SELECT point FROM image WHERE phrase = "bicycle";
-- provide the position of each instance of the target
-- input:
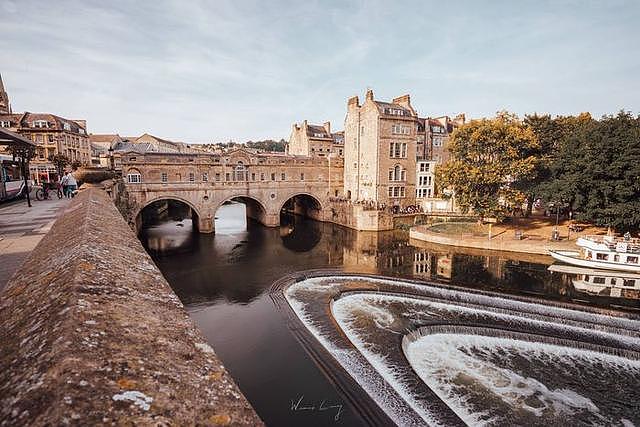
(43, 193)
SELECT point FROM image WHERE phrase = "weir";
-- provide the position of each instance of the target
(92, 334)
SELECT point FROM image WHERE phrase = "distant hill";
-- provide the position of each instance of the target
(266, 145)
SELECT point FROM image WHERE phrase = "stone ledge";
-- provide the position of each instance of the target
(92, 334)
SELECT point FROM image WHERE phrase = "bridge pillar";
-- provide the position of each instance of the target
(206, 225)
(271, 219)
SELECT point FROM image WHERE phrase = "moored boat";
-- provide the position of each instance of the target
(603, 252)
(602, 282)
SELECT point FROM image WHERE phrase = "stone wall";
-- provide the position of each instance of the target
(92, 334)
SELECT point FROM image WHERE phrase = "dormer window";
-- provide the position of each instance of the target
(81, 131)
(66, 126)
(5, 124)
(40, 124)
(318, 135)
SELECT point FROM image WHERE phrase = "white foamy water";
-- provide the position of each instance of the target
(482, 379)
(460, 368)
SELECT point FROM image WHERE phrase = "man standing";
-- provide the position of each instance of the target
(72, 185)
(64, 182)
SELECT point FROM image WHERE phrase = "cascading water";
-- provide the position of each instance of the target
(441, 356)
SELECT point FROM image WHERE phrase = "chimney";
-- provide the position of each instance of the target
(404, 100)
(369, 95)
(327, 127)
(353, 102)
(459, 119)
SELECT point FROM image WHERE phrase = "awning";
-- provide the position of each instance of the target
(14, 140)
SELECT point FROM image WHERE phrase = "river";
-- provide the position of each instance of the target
(224, 280)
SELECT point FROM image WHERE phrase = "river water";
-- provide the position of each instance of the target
(224, 282)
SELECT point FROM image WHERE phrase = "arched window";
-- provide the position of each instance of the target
(133, 176)
(397, 173)
(240, 172)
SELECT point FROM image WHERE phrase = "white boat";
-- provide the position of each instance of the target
(603, 252)
(599, 282)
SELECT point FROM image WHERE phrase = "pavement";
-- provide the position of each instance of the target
(22, 228)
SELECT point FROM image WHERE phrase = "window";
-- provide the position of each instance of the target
(217, 176)
(5, 124)
(240, 172)
(205, 177)
(629, 282)
(632, 259)
(437, 142)
(602, 257)
(424, 167)
(273, 176)
(396, 191)
(134, 178)
(81, 131)
(301, 177)
(192, 177)
(66, 126)
(253, 176)
(262, 177)
(41, 124)
(599, 280)
(400, 130)
(164, 177)
(227, 176)
(398, 150)
(282, 176)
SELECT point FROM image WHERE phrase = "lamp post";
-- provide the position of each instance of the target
(111, 163)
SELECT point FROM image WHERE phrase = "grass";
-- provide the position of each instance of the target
(458, 228)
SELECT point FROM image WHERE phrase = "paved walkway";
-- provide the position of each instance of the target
(21, 228)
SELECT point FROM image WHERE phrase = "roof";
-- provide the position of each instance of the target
(384, 106)
(13, 139)
(316, 131)
(55, 122)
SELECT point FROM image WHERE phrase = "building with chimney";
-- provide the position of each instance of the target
(315, 140)
(391, 154)
(380, 151)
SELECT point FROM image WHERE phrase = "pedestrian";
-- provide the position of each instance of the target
(72, 185)
(65, 184)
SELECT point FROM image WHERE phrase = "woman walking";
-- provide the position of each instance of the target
(64, 182)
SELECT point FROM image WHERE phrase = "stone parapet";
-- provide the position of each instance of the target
(92, 334)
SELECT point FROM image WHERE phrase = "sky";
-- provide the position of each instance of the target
(218, 70)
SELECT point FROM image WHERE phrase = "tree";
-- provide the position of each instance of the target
(60, 161)
(596, 170)
(76, 164)
(487, 157)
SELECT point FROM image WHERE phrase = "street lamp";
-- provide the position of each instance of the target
(111, 163)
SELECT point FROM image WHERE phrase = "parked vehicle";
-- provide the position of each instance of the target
(11, 179)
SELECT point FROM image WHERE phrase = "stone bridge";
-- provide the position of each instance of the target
(266, 183)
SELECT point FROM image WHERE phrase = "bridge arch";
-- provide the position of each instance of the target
(194, 212)
(302, 203)
(255, 208)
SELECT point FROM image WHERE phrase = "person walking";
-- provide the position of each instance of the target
(64, 182)
(72, 185)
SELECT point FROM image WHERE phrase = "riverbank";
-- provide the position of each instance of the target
(536, 237)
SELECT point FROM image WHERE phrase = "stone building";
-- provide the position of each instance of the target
(100, 145)
(315, 140)
(380, 151)
(52, 135)
(5, 105)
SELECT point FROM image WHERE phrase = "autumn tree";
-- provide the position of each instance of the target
(487, 157)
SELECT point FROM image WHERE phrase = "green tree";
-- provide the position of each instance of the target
(596, 170)
(487, 157)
